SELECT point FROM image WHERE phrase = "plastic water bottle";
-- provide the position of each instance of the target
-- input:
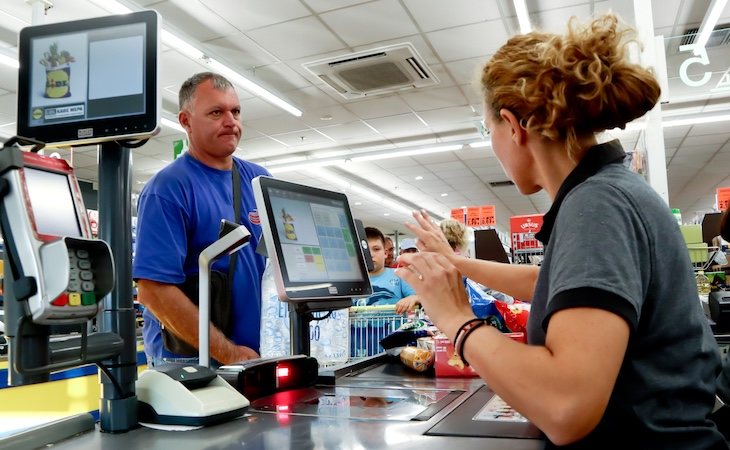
(329, 339)
(703, 283)
(274, 318)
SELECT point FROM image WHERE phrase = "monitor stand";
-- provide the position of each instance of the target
(300, 314)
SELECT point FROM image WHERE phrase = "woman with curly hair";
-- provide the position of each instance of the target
(620, 353)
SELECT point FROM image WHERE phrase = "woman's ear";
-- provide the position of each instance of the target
(517, 132)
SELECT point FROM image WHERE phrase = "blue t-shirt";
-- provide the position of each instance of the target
(388, 288)
(179, 214)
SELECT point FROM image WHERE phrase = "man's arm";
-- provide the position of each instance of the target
(175, 311)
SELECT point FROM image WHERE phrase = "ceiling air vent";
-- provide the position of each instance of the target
(374, 72)
(501, 183)
(719, 37)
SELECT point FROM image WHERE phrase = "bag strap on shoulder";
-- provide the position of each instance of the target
(236, 182)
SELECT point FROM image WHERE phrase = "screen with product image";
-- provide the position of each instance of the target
(52, 203)
(89, 80)
(311, 238)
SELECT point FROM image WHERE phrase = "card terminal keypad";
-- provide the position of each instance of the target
(80, 290)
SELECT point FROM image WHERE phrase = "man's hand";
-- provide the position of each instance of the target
(240, 353)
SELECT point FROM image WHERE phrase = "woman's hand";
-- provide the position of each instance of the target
(439, 287)
(430, 236)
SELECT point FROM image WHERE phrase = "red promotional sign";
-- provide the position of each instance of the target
(723, 198)
(472, 216)
(479, 216)
(523, 229)
(458, 214)
(487, 217)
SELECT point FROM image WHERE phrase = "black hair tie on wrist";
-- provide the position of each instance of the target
(470, 327)
(462, 327)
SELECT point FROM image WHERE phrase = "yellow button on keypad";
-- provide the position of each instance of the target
(74, 299)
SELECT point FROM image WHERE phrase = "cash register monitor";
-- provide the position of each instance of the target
(88, 81)
(312, 241)
(53, 198)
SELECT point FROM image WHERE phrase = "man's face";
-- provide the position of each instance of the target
(389, 253)
(377, 251)
(212, 120)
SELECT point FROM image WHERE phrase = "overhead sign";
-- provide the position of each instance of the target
(480, 216)
(723, 198)
(458, 215)
(699, 56)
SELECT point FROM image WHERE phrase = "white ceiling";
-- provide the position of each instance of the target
(270, 40)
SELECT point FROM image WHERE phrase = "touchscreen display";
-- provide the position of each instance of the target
(89, 80)
(51, 199)
(311, 237)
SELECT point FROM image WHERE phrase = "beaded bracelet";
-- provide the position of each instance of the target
(459, 347)
(462, 327)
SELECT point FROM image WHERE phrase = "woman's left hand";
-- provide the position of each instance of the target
(439, 287)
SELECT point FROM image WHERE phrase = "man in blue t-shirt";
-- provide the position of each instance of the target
(179, 214)
(387, 287)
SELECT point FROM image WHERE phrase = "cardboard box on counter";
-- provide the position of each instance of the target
(448, 364)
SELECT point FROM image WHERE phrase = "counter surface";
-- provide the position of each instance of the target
(265, 430)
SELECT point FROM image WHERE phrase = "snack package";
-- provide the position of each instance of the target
(515, 315)
(418, 359)
(483, 305)
(448, 364)
(407, 334)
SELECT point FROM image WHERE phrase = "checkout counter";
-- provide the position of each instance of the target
(376, 403)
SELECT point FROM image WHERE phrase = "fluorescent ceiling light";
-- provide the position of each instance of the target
(376, 197)
(668, 123)
(180, 45)
(302, 165)
(695, 120)
(172, 124)
(708, 25)
(287, 165)
(8, 60)
(252, 87)
(395, 153)
(523, 17)
(480, 144)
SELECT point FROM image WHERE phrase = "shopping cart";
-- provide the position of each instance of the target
(370, 324)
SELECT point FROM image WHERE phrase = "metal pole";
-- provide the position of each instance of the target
(118, 409)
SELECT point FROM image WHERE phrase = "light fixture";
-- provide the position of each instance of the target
(480, 144)
(191, 51)
(708, 25)
(252, 87)
(396, 153)
(419, 177)
(444, 194)
(695, 120)
(8, 60)
(180, 45)
(523, 17)
(302, 165)
(286, 165)
(172, 124)
(355, 188)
